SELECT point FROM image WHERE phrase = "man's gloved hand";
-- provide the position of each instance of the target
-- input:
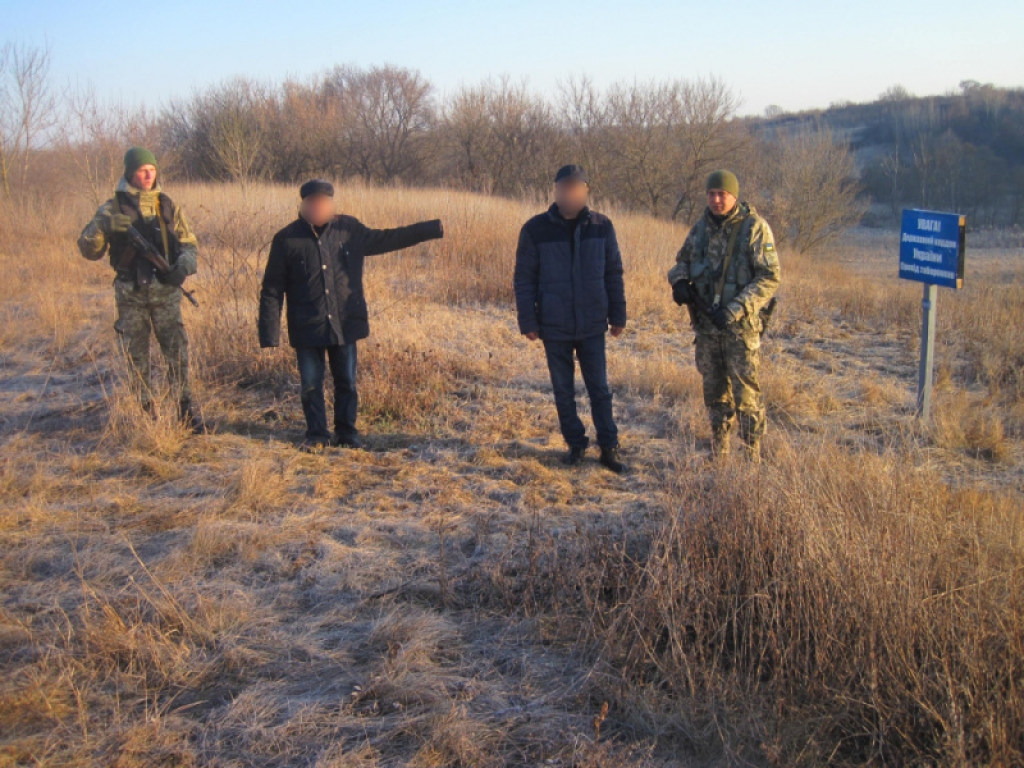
(681, 292)
(175, 277)
(117, 224)
(721, 318)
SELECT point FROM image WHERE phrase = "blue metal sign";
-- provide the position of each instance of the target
(932, 247)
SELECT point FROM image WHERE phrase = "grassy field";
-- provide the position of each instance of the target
(453, 596)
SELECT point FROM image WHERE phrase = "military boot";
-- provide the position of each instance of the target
(190, 418)
(720, 440)
(610, 459)
(750, 432)
(753, 448)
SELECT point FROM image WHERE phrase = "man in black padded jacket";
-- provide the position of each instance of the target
(316, 267)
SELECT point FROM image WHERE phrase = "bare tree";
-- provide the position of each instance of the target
(643, 155)
(583, 117)
(238, 129)
(650, 145)
(302, 131)
(222, 132)
(466, 138)
(386, 114)
(500, 138)
(94, 136)
(812, 194)
(708, 138)
(28, 109)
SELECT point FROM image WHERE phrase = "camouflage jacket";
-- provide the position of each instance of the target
(94, 242)
(753, 275)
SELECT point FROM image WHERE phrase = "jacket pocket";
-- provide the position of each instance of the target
(748, 334)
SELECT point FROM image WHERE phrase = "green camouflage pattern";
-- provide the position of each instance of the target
(729, 359)
(92, 243)
(753, 276)
(155, 307)
(729, 365)
(158, 307)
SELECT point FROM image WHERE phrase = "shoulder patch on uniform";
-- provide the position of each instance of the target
(769, 246)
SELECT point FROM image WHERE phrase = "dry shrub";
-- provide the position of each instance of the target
(833, 608)
(131, 428)
(963, 424)
(669, 372)
(258, 488)
(987, 320)
(456, 739)
(403, 384)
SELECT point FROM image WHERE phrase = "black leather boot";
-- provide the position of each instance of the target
(610, 459)
(575, 455)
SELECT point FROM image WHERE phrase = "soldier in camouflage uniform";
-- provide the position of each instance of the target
(145, 298)
(727, 272)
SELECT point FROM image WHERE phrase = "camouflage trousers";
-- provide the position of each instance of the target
(157, 308)
(729, 364)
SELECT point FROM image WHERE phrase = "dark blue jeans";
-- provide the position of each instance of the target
(342, 361)
(591, 355)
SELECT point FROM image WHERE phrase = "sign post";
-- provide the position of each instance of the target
(932, 252)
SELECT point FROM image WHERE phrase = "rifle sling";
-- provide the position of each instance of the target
(726, 263)
(163, 230)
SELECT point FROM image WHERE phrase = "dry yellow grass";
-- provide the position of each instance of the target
(453, 596)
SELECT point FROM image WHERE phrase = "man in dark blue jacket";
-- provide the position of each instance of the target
(569, 292)
(317, 263)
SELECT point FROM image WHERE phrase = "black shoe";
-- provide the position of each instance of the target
(349, 441)
(575, 455)
(317, 444)
(610, 459)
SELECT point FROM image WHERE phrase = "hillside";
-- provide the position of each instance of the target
(962, 151)
(453, 596)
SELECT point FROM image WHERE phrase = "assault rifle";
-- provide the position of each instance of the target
(149, 252)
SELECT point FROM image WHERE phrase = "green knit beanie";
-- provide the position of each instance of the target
(726, 180)
(135, 158)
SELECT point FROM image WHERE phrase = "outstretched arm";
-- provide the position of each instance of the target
(377, 241)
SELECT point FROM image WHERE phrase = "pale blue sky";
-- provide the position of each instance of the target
(792, 53)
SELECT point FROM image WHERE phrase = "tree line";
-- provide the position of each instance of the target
(960, 151)
(647, 145)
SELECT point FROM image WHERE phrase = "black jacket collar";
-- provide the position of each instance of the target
(555, 215)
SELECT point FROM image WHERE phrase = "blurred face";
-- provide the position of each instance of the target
(317, 209)
(144, 178)
(571, 197)
(720, 202)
